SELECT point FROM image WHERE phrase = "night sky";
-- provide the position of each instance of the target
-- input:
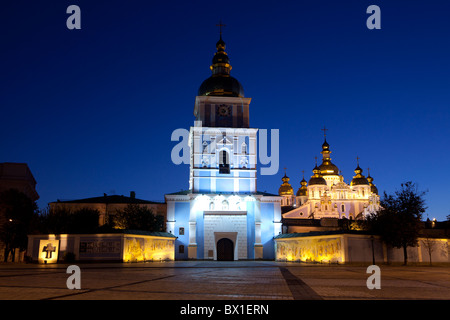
(92, 111)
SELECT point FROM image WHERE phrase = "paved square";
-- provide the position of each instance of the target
(215, 280)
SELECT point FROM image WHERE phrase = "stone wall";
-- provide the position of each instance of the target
(125, 246)
(341, 247)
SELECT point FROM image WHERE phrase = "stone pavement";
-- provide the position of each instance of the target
(217, 280)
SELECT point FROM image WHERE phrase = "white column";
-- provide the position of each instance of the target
(252, 151)
(257, 208)
(276, 219)
(170, 224)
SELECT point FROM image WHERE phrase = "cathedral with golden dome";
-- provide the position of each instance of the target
(326, 195)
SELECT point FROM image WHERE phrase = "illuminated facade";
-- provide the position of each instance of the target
(222, 216)
(326, 195)
(120, 246)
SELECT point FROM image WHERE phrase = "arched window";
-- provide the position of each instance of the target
(342, 208)
(224, 205)
(224, 162)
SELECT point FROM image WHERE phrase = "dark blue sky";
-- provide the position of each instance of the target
(92, 111)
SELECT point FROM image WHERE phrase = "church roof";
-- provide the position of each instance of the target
(147, 233)
(317, 233)
(182, 192)
(260, 193)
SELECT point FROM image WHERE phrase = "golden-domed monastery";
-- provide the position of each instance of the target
(326, 195)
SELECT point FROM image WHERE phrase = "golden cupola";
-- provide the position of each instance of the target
(285, 188)
(359, 178)
(317, 178)
(303, 190)
(327, 167)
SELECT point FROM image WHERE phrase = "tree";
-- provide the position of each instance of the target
(55, 220)
(17, 211)
(398, 222)
(84, 220)
(62, 220)
(138, 218)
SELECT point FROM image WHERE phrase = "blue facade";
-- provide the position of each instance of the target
(205, 185)
(251, 229)
(181, 221)
(267, 230)
(266, 211)
(224, 184)
(200, 236)
(244, 185)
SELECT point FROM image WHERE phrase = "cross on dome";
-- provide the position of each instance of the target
(220, 25)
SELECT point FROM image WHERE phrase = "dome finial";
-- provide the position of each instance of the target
(220, 25)
(221, 83)
(220, 45)
(324, 132)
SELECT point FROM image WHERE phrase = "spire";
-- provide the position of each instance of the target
(220, 25)
(327, 167)
(221, 62)
(324, 132)
(358, 170)
(221, 83)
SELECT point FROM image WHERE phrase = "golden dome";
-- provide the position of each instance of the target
(359, 179)
(303, 190)
(317, 178)
(327, 167)
(286, 188)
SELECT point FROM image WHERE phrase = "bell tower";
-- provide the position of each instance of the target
(222, 215)
(223, 146)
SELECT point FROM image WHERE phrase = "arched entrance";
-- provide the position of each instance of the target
(225, 250)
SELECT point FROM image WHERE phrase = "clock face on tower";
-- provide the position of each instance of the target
(224, 110)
